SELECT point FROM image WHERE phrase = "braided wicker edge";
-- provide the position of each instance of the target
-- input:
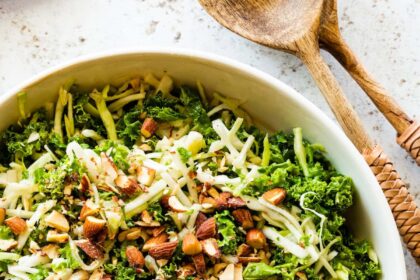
(405, 211)
(410, 140)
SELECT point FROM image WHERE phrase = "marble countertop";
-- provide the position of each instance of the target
(38, 34)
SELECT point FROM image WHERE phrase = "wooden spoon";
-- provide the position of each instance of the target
(330, 38)
(293, 26)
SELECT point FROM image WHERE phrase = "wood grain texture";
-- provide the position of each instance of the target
(403, 206)
(331, 39)
(293, 26)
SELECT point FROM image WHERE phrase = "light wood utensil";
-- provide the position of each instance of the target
(330, 39)
(293, 26)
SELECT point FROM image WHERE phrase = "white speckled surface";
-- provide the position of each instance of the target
(37, 34)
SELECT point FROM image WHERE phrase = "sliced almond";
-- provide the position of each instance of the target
(80, 275)
(207, 229)
(145, 175)
(228, 273)
(53, 236)
(148, 128)
(109, 168)
(134, 234)
(16, 224)
(85, 186)
(185, 271)
(249, 259)
(57, 221)
(127, 185)
(238, 271)
(199, 263)
(2, 215)
(134, 257)
(51, 250)
(235, 202)
(153, 224)
(243, 216)
(255, 238)
(146, 217)
(213, 193)
(218, 267)
(158, 230)
(154, 241)
(88, 209)
(92, 226)
(275, 196)
(244, 250)
(175, 205)
(92, 250)
(7, 244)
(201, 218)
(190, 245)
(163, 250)
(211, 248)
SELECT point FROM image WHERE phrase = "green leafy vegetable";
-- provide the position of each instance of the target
(184, 154)
(230, 237)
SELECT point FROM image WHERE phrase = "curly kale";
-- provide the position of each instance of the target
(128, 127)
(230, 235)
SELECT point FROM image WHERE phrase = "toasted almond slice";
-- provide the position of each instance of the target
(146, 217)
(149, 127)
(153, 224)
(16, 224)
(176, 205)
(109, 168)
(7, 244)
(127, 185)
(275, 196)
(228, 273)
(211, 248)
(92, 226)
(154, 241)
(244, 250)
(134, 234)
(92, 250)
(207, 229)
(85, 184)
(163, 250)
(243, 216)
(145, 175)
(88, 209)
(255, 238)
(57, 221)
(158, 230)
(53, 236)
(199, 263)
(80, 275)
(249, 259)
(51, 250)
(190, 245)
(185, 271)
(2, 215)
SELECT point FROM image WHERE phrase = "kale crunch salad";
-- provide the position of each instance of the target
(151, 180)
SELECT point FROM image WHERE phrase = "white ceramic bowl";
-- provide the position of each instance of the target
(269, 101)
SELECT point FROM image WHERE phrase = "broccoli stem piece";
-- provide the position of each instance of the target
(68, 119)
(59, 110)
(115, 106)
(91, 110)
(105, 115)
(299, 149)
(266, 152)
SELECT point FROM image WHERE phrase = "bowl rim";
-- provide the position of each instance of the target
(244, 69)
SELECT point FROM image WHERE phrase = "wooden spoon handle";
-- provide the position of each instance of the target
(345, 114)
(403, 207)
(408, 131)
